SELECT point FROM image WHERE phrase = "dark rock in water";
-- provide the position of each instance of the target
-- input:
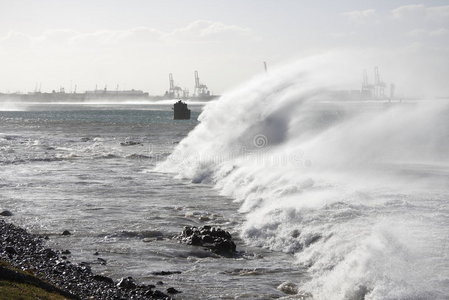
(6, 213)
(103, 279)
(66, 232)
(159, 295)
(172, 290)
(130, 143)
(66, 252)
(102, 261)
(215, 239)
(96, 253)
(48, 253)
(126, 283)
(164, 273)
(159, 283)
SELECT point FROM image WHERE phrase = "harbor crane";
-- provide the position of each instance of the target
(175, 91)
(376, 90)
(201, 90)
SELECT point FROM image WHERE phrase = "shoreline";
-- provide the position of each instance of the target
(36, 264)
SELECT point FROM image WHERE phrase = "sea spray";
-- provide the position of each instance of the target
(357, 190)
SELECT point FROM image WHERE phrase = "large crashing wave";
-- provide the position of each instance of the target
(357, 190)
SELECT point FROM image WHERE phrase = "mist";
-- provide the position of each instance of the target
(327, 179)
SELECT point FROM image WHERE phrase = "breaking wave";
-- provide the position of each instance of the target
(357, 190)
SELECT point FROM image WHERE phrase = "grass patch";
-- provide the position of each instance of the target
(16, 284)
(21, 291)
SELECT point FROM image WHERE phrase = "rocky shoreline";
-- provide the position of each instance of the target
(28, 253)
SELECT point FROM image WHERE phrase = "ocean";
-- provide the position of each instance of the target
(344, 199)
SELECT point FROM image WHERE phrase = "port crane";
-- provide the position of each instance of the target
(201, 90)
(175, 91)
(376, 90)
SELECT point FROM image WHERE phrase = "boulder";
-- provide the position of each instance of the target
(126, 283)
(217, 240)
(6, 213)
(172, 290)
(288, 287)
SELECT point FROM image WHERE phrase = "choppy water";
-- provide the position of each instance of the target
(63, 168)
(347, 199)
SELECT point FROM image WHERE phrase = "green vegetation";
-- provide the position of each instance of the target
(21, 291)
(19, 285)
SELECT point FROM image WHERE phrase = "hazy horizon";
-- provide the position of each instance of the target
(136, 44)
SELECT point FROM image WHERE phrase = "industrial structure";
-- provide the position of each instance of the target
(377, 89)
(175, 92)
(200, 90)
(369, 91)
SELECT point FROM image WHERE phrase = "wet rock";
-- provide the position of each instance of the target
(126, 283)
(295, 233)
(6, 213)
(130, 143)
(102, 261)
(76, 281)
(165, 273)
(66, 252)
(103, 279)
(288, 287)
(217, 240)
(159, 283)
(204, 218)
(66, 232)
(158, 295)
(49, 253)
(172, 290)
(10, 250)
(96, 253)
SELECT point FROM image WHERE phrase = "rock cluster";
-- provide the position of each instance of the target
(27, 252)
(130, 143)
(215, 239)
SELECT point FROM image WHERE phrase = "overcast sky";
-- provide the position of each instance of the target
(136, 43)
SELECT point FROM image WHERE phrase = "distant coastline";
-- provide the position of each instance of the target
(62, 96)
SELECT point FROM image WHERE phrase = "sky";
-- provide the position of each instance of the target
(137, 43)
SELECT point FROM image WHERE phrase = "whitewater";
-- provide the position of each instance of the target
(357, 191)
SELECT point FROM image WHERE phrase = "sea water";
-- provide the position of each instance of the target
(67, 167)
(344, 198)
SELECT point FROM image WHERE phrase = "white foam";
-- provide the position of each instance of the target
(352, 188)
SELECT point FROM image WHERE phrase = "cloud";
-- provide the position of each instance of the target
(419, 11)
(408, 10)
(202, 31)
(15, 40)
(428, 33)
(361, 16)
(197, 31)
